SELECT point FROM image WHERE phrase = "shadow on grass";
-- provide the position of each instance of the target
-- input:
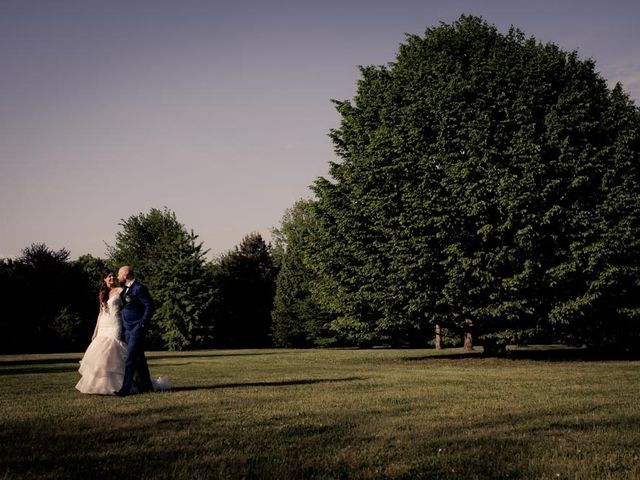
(77, 448)
(38, 370)
(40, 361)
(180, 442)
(209, 354)
(39, 365)
(541, 354)
(284, 383)
(43, 359)
(569, 355)
(518, 445)
(445, 356)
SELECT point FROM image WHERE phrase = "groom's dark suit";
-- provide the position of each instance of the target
(137, 310)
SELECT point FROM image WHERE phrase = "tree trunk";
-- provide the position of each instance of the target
(438, 338)
(468, 336)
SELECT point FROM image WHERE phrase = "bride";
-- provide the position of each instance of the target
(102, 367)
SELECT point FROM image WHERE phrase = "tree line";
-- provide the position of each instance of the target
(487, 187)
(51, 302)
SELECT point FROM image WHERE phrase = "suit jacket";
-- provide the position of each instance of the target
(137, 306)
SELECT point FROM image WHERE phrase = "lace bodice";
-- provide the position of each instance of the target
(110, 320)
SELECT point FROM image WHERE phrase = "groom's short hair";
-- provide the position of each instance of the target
(129, 270)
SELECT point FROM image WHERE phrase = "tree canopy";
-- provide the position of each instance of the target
(482, 177)
(45, 299)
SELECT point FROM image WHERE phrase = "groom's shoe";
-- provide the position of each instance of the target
(120, 393)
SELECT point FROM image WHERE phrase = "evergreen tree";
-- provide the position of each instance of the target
(170, 261)
(186, 296)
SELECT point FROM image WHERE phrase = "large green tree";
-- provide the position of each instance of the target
(171, 262)
(484, 179)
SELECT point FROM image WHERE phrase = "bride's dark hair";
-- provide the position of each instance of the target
(103, 296)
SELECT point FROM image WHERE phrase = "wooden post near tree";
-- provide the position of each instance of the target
(468, 336)
(438, 338)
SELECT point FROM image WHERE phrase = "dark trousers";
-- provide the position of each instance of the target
(136, 362)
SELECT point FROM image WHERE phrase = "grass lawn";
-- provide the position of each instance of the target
(327, 414)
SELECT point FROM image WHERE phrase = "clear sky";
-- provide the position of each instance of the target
(217, 109)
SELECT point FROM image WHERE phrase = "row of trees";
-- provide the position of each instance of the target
(50, 303)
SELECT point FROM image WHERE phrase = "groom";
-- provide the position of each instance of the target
(137, 310)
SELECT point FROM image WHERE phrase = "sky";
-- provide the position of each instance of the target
(218, 110)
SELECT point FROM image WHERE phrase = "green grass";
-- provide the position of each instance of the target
(327, 414)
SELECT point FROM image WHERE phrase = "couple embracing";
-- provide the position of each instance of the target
(111, 366)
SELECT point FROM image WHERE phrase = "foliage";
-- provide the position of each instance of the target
(44, 302)
(186, 296)
(89, 271)
(66, 325)
(51, 302)
(298, 319)
(93, 268)
(168, 259)
(484, 177)
(245, 279)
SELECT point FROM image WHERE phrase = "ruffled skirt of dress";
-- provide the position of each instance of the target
(102, 367)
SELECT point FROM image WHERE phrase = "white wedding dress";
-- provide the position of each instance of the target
(102, 367)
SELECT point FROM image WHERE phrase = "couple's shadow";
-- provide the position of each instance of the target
(283, 383)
